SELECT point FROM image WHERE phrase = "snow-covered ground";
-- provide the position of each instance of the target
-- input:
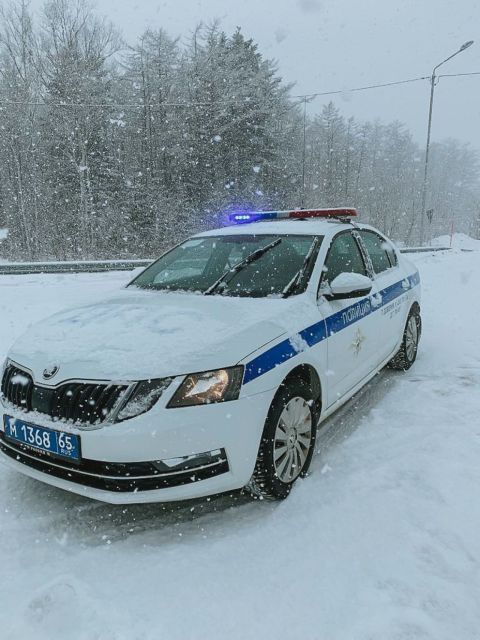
(381, 542)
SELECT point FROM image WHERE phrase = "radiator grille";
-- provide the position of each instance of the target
(76, 402)
(17, 387)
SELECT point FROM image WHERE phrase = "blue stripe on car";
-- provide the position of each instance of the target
(317, 332)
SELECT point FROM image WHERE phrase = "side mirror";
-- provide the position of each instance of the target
(348, 285)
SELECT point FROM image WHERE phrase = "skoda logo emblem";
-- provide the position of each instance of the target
(51, 371)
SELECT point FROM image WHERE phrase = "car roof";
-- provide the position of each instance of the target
(307, 226)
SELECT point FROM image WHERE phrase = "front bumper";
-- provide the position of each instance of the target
(161, 456)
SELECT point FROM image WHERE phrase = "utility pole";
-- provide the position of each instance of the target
(427, 148)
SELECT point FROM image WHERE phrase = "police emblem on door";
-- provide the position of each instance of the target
(358, 341)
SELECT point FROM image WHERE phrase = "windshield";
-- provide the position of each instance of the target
(236, 265)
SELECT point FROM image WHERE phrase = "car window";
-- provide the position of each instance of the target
(380, 251)
(343, 257)
(199, 263)
(392, 256)
(191, 263)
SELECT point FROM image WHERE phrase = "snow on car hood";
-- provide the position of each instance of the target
(141, 334)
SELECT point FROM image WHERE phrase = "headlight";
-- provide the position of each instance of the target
(211, 386)
(144, 396)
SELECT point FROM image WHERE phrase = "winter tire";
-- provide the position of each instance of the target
(288, 441)
(407, 354)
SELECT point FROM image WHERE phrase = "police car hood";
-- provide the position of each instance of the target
(150, 334)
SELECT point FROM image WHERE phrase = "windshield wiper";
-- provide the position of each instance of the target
(298, 277)
(255, 255)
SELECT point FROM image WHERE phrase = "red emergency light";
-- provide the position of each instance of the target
(323, 213)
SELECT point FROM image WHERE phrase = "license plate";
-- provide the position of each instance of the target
(59, 443)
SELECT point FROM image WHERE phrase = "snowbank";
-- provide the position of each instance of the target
(459, 241)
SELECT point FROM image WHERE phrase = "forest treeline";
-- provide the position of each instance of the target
(116, 150)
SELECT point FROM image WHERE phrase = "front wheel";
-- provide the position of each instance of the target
(288, 441)
(407, 354)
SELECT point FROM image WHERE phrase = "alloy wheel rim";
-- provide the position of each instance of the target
(411, 338)
(293, 437)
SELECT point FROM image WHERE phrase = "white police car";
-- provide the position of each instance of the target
(211, 370)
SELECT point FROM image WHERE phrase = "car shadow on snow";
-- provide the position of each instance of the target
(65, 515)
(345, 421)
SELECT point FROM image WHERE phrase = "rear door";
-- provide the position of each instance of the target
(389, 299)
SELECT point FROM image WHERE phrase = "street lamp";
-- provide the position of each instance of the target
(427, 148)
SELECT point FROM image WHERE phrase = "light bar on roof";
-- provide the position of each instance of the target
(254, 216)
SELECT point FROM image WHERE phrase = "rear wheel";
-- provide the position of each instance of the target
(407, 354)
(288, 441)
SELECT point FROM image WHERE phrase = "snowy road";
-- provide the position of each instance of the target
(381, 542)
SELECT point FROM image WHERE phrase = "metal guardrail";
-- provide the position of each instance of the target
(91, 266)
(423, 249)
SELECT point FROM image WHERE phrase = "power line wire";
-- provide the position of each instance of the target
(371, 86)
(247, 100)
(126, 105)
(455, 75)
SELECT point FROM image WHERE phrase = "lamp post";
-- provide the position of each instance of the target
(427, 148)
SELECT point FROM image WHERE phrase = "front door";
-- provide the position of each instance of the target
(390, 291)
(350, 331)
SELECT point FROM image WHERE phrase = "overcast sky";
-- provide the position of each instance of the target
(338, 44)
